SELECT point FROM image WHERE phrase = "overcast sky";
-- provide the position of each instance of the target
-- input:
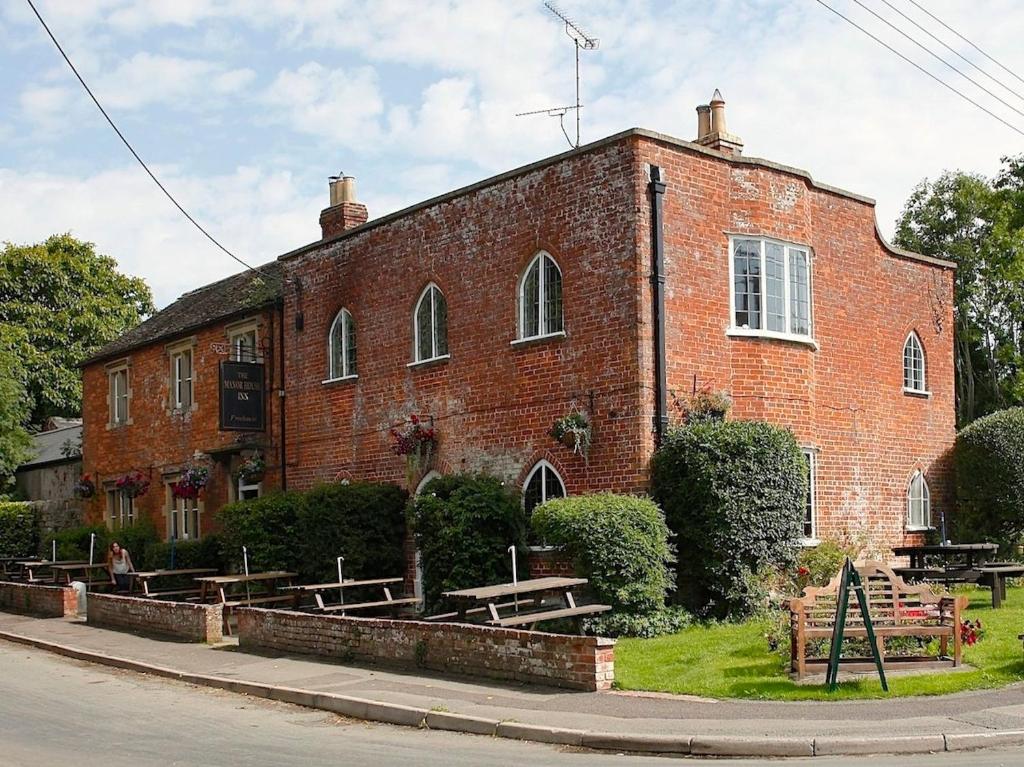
(244, 107)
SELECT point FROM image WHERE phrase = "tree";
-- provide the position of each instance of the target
(964, 218)
(15, 407)
(69, 301)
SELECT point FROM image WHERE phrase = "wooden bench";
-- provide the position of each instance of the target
(454, 616)
(896, 608)
(392, 604)
(249, 602)
(532, 619)
(170, 593)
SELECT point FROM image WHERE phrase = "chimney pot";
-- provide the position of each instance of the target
(344, 212)
(711, 127)
(718, 113)
(703, 121)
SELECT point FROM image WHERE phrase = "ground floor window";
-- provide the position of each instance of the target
(247, 491)
(542, 484)
(183, 519)
(919, 505)
(810, 508)
(120, 509)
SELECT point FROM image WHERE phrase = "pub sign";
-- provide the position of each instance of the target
(241, 396)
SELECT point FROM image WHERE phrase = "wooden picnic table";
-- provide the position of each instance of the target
(959, 563)
(318, 590)
(146, 579)
(86, 570)
(490, 597)
(6, 562)
(220, 586)
(31, 567)
(952, 554)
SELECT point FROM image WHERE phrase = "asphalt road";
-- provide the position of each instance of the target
(55, 711)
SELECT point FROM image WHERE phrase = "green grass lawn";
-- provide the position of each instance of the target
(733, 661)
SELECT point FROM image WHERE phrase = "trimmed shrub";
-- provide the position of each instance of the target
(206, 552)
(669, 620)
(267, 527)
(137, 538)
(361, 521)
(19, 529)
(989, 459)
(464, 524)
(618, 542)
(73, 543)
(733, 493)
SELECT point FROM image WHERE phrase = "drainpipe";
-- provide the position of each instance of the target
(657, 190)
(280, 394)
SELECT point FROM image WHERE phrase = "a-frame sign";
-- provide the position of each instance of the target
(850, 578)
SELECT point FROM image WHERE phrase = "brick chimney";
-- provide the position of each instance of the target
(344, 213)
(711, 129)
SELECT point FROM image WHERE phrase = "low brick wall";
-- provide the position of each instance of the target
(181, 620)
(546, 563)
(40, 601)
(582, 663)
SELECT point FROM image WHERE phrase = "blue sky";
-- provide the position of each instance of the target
(244, 108)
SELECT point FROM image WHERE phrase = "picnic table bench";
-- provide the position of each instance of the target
(896, 609)
(959, 563)
(31, 570)
(217, 588)
(146, 580)
(492, 596)
(92, 575)
(318, 590)
(6, 564)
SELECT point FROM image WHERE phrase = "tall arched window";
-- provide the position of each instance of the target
(919, 505)
(540, 298)
(542, 484)
(341, 347)
(430, 325)
(913, 364)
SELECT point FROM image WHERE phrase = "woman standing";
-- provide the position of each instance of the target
(119, 562)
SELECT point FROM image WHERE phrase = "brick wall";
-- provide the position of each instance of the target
(40, 601)
(160, 442)
(584, 663)
(182, 620)
(553, 563)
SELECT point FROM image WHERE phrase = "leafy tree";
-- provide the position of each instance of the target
(69, 301)
(980, 226)
(15, 406)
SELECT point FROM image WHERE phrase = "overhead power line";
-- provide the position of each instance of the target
(953, 50)
(979, 50)
(131, 149)
(917, 66)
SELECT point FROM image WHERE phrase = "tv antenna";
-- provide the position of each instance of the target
(582, 41)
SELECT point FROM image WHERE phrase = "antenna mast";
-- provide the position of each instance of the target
(581, 40)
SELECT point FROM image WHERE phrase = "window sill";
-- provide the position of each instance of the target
(431, 361)
(809, 542)
(342, 379)
(119, 425)
(919, 529)
(772, 335)
(921, 393)
(519, 342)
(540, 549)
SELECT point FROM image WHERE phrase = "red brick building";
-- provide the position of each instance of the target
(151, 405)
(606, 280)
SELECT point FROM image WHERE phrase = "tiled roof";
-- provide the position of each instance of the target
(211, 303)
(47, 446)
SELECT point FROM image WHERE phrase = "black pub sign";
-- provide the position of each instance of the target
(241, 396)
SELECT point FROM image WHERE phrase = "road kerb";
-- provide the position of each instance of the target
(647, 744)
(900, 744)
(739, 745)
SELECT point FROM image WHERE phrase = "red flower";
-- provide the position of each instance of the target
(803, 571)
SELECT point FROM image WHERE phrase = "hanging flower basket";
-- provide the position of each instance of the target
(416, 441)
(85, 487)
(252, 468)
(133, 484)
(191, 482)
(573, 431)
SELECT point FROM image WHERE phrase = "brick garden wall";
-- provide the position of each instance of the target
(40, 601)
(182, 620)
(583, 663)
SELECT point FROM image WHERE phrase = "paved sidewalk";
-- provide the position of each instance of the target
(623, 721)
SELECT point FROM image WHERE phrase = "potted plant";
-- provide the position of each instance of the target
(416, 441)
(573, 431)
(85, 487)
(252, 468)
(191, 482)
(133, 484)
(704, 405)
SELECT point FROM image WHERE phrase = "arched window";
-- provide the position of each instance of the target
(542, 484)
(919, 505)
(913, 364)
(341, 347)
(430, 325)
(540, 298)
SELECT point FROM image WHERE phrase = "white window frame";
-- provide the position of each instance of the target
(115, 396)
(542, 330)
(176, 353)
(120, 509)
(178, 511)
(346, 374)
(914, 339)
(245, 339)
(763, 332)
(812, 461)
(542, 464)
(417, 360)
(244, 487)
(926, 502)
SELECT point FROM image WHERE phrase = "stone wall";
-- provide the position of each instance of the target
(182, 620)
(40, 601)
(583, 663)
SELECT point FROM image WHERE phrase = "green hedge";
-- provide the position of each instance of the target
(206, 552)
(989, 458)
(19, 529)
(618, 542)
(306, 532)
(464, 524)
(733, 492)
(73, 542)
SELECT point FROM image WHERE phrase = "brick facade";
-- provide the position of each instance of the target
(582, 663)
(39, 601)
(181, 620)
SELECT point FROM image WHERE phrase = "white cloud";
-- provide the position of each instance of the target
(147, 78)
(45, 104)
